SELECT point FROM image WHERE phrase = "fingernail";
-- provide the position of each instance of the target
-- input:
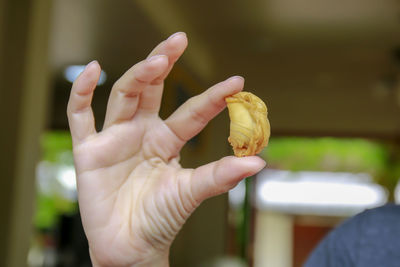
(235, 77)
(265, 164)
(156, 57)
(91, 64)
(175, 34)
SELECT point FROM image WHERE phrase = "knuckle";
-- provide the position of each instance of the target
(195, 113)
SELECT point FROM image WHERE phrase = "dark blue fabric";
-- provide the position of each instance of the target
(370, 239)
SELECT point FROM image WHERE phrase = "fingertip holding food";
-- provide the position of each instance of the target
(249, 127)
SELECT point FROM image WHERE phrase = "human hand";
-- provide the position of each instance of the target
(134, 196)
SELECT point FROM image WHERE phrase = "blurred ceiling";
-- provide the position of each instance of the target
(324, 67)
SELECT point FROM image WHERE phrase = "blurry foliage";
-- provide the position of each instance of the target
(56, 148)
(336, 155)
(49, 208)
(326, 154)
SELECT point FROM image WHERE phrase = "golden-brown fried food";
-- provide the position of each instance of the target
(250, 128)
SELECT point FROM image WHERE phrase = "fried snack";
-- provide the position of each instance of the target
(249, 128)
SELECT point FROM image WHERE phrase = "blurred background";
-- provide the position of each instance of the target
(329, 72)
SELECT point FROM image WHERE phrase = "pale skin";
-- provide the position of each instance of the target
(134, 196)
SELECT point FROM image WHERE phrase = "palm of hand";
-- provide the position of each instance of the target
(133, 194)
(147, 189)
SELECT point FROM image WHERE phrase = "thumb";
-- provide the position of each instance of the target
(220, 176)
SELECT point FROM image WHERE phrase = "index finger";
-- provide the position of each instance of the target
(79, 111)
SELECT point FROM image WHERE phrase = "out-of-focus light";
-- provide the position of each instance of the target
(72, 72)
(56, 179)
(237, 195)
(35, 256)
(67, 178)
(318, 193)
